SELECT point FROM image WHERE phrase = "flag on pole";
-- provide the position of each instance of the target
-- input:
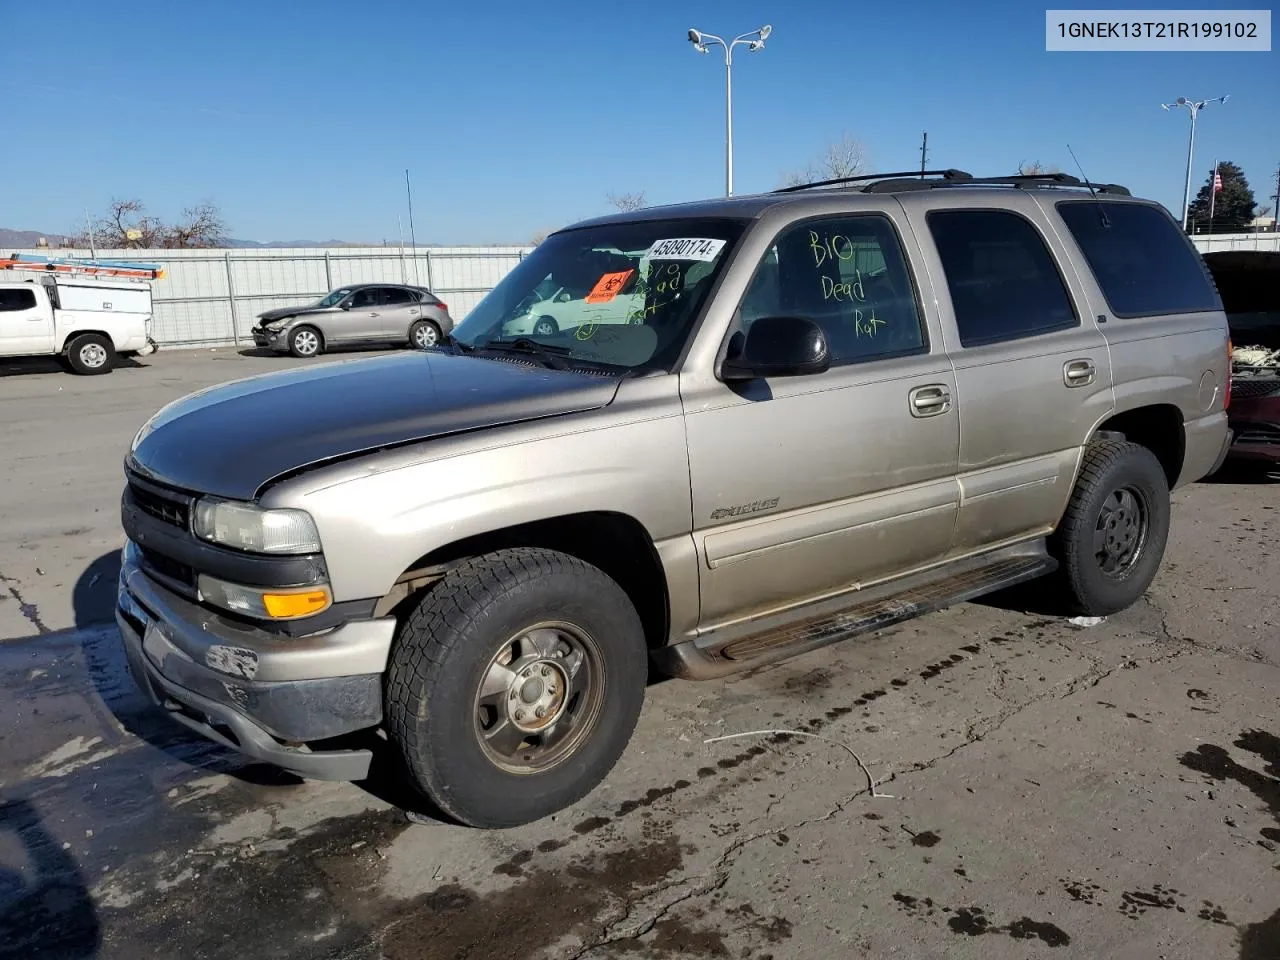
(1213, 194)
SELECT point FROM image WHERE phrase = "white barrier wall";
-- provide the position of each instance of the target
(211, 297)
(1218, 242)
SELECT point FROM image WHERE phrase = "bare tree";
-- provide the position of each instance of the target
(626, 202)
(1035, 167)
(126, 225)
(846, 157)
(200, 226)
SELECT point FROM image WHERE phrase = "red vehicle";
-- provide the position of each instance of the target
(1249, 284)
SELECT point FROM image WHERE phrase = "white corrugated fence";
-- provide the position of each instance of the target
(213, 296)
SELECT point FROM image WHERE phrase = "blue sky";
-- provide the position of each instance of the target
(299, 119)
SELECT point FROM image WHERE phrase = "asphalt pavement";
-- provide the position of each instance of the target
(991, 781)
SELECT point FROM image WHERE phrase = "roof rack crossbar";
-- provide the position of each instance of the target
(948, 174)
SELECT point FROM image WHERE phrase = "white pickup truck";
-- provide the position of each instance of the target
(87, 320)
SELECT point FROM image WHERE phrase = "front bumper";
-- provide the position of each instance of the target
(262, 694)
(266, 338)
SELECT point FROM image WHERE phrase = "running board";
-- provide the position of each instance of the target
(716, 656)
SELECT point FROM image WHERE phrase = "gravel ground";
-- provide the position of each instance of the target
(1039, 789)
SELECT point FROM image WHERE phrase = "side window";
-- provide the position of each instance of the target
(396, 295)
(365, 298)
(1003, 281)
(11, 300)
(1143, 262)
(848, 275)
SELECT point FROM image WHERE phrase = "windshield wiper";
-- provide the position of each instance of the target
(550, 354)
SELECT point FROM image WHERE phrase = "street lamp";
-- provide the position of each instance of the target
(702, 42)
(1194, 106)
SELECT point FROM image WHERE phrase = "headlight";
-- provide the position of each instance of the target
(244, 526)
(264, 603)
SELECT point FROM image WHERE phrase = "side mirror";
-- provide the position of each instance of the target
(777, 347)
(345, 304)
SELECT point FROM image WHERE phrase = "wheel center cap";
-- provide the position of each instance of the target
(531, 690)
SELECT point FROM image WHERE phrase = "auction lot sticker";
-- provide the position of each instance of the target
(686, 248)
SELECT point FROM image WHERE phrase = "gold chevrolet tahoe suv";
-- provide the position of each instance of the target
(782, 421)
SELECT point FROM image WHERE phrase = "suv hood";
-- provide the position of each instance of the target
(233, 439)
(283, 312)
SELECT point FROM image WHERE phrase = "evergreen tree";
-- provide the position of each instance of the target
(1232, 209)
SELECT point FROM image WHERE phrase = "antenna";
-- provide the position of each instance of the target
(404, 277)
(1102, 211)
(413, 242)
(93, 241)
(924, 152)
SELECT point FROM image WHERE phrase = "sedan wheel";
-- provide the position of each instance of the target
(424, 334)
(304, 342)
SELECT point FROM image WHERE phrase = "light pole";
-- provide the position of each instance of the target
(1194, 106)
(702, 42)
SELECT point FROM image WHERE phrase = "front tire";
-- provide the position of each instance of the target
(1112, 538)
(91, 353)
(515, 686)
(545, 327)
(305, 342)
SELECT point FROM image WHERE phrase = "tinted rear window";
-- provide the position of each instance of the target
(1003, 281)
(17, 299)
(1142, 260)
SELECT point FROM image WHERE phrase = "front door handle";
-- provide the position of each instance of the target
(930, 400)
(374, 313)
(1079, 373)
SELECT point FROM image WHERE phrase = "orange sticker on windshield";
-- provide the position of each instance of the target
(609, 286)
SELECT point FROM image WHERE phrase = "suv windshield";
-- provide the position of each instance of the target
(333, 299)
(623, 295)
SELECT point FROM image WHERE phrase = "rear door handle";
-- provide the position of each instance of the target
(930, 400)
(1078, 373)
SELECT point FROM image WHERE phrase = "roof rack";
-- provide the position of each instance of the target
(928, 179)
(948, 174)
(1011, 180)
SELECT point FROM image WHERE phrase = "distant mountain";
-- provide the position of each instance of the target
(11, 240)
(243, 244)
(21, 239)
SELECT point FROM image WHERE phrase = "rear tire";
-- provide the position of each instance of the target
(305, 342)
(1112, 537)
(423, 335)
(515, 685)
(91, 353)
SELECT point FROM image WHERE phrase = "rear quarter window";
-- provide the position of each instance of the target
(1143, 262)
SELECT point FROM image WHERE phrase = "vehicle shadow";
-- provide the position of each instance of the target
(45, 909)
(30, 366)
(1038, 598)
(94, 598)
(1244, 472)
(355, 350)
